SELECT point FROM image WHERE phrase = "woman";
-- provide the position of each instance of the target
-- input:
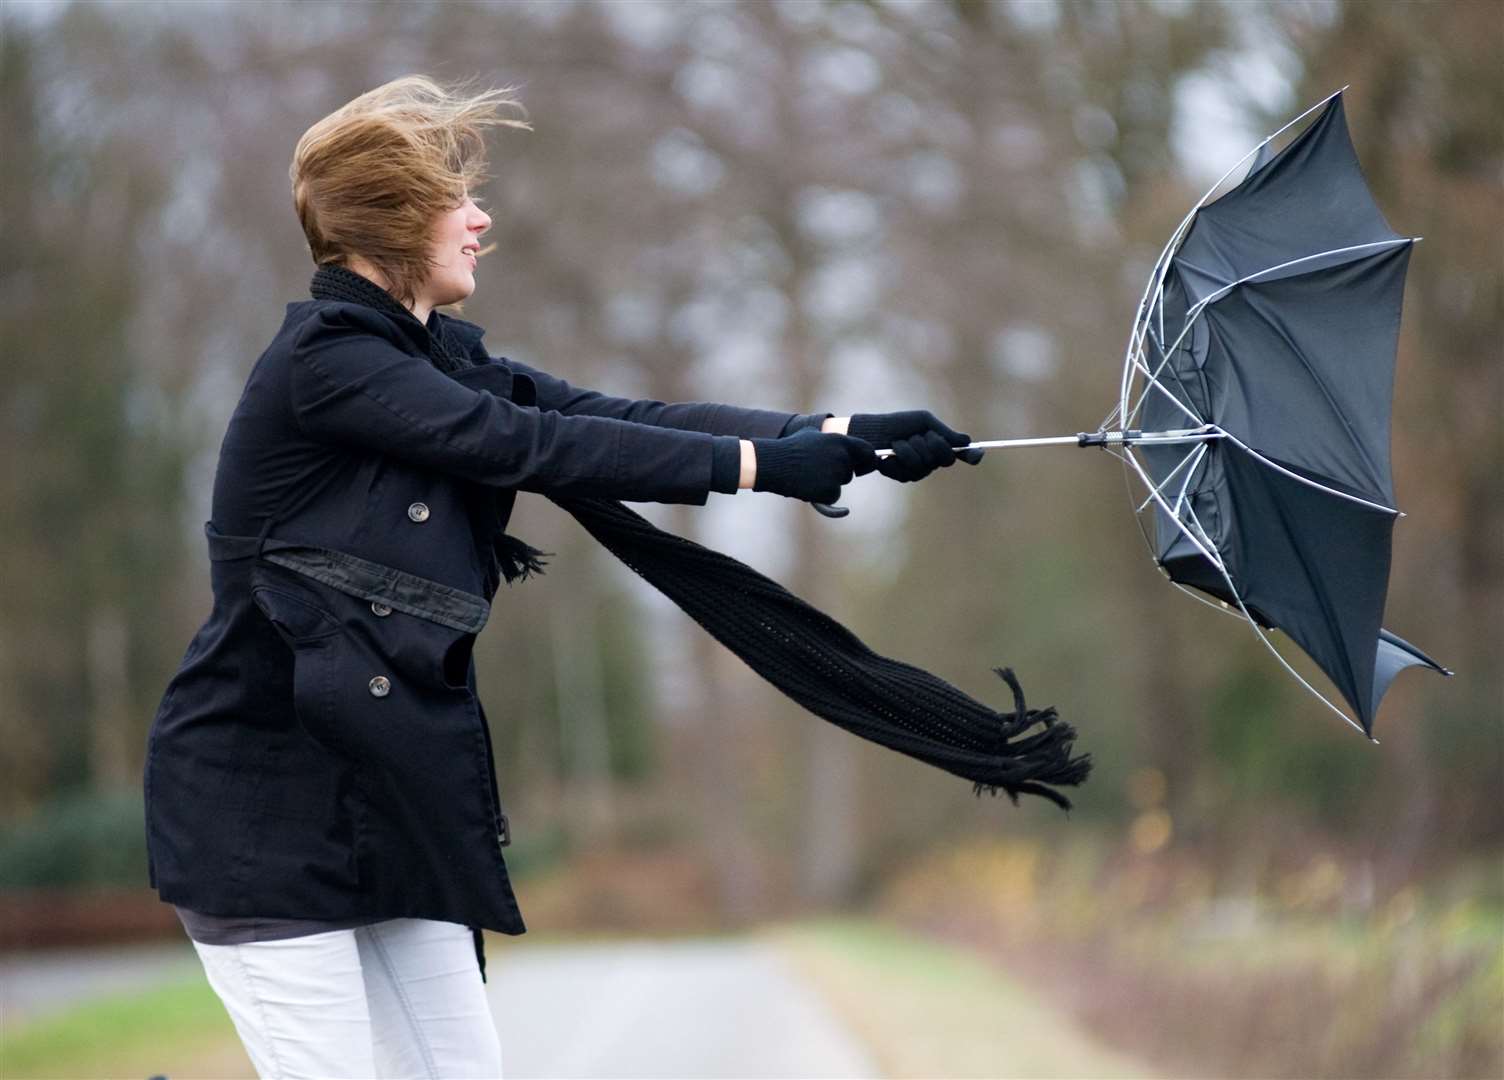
(321, 801)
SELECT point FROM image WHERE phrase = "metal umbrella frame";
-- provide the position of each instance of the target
(1149, 378)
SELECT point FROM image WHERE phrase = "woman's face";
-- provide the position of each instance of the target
(455, 237)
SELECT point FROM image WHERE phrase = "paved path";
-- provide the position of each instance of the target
(681, 1008)
(706, 1008)
(35, 983)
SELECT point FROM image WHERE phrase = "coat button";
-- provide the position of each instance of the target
(418, 511)
(380, 609)
(380, 686)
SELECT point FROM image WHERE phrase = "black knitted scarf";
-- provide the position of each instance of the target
(331, 281)
(799, 649)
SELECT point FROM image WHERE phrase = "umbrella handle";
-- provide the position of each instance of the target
(831, 511)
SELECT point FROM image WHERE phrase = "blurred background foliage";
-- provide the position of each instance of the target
(848, 206)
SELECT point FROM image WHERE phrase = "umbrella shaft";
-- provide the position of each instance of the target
(1097, 438)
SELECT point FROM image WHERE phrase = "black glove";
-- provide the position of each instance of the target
(919, 441)
(811, 465)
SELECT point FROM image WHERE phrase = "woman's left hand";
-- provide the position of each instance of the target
(920, 442)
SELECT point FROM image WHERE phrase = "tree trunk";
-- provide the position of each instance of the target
(112, 763)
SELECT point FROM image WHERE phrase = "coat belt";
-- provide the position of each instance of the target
(432, 600)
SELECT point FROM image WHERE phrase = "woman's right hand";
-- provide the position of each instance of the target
(810, 464)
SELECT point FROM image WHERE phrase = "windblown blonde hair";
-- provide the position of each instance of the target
(372, 177)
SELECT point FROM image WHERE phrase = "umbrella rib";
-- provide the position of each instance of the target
(1197, 449)
(1161, 266)
(1141, 363)
(1201, 305)
(1277, 467)
(1259, 630)
(1141, 332)
(1375, 470)
(1138, 519)
(1316, 588)
(1153, 382)
(1199, 453)
(1212, 298)
(1215, 560)
(1159, 307)
(1218, 607)
(1146, 311)
(1202, 270)
(1264, 142)
(1151, 379)
(1206, 537)
(1232, 589)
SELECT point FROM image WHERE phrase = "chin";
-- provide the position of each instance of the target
(458, 293)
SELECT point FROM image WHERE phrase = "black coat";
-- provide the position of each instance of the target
(321, 751)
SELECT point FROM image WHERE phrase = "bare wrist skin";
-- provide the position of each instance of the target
(749, 465)
(833, 425)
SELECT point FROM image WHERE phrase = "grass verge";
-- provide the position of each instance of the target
(167, 1030)
(1203, 970)
(926, 1009)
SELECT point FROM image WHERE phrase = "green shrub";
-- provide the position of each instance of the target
(78, 838)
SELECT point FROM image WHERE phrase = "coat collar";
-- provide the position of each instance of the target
(449, 342)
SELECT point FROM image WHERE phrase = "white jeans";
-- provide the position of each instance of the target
(401, 998)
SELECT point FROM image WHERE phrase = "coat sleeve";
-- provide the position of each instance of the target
(555, 394)
(351, 385)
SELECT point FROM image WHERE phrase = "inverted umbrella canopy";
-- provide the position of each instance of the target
(1267, 337)
(1254, 406)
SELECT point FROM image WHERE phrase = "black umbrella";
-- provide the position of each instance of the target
(1254, 405)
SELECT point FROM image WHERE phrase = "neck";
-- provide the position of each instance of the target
(333, 281)
(419, 306)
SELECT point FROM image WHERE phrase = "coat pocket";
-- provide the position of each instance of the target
(367, 679)
(298, 620)
(312, 634)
